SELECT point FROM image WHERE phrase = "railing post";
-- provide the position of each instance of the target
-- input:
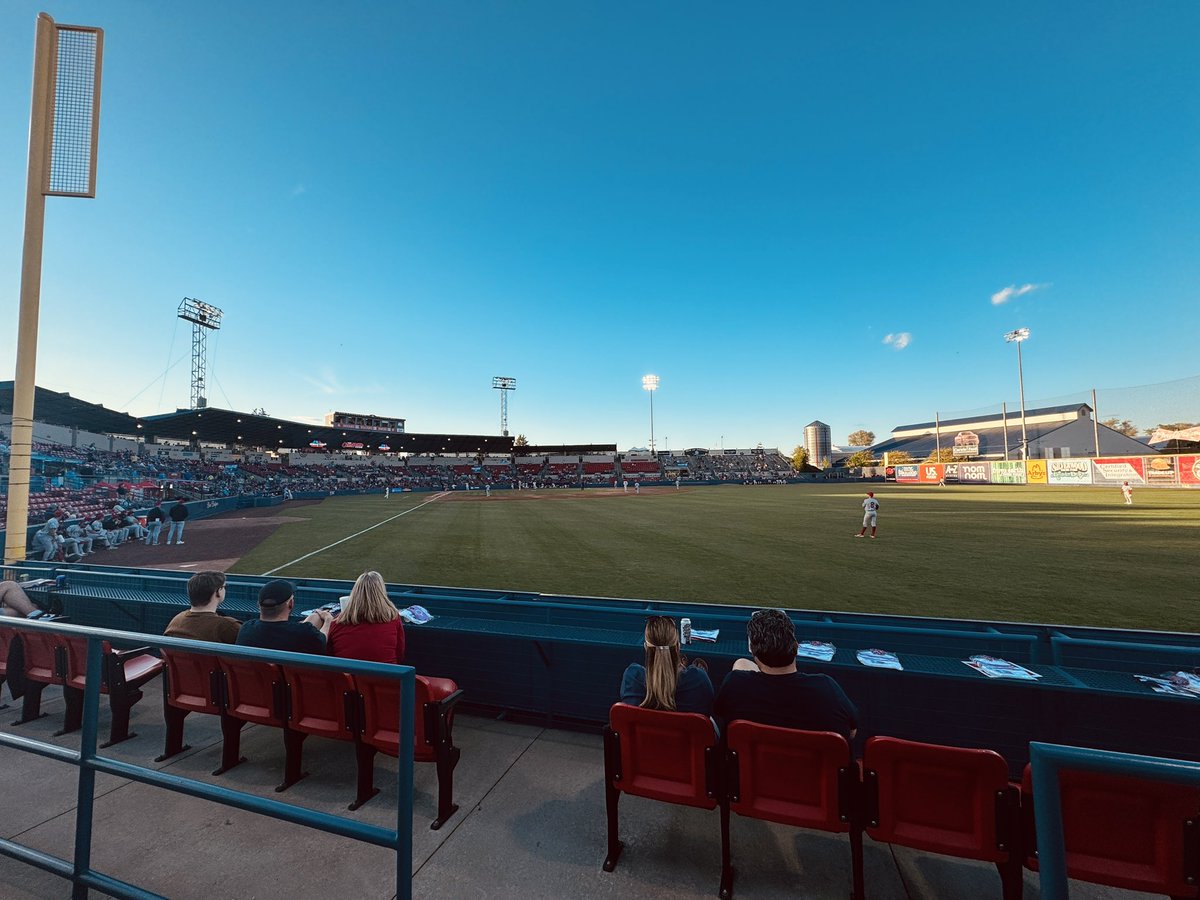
(87, 775)
(404, 786)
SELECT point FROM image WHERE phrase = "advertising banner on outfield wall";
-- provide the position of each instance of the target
(975, 472)
(1116, 470)
(1070, 471)
(1009, 472)
(1161, 470)
(1035, 471)
(950, 473)
(1189, 469)
(908, 473)
(931, 473)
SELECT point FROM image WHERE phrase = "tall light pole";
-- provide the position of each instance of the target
(1017, 337)
(650, 383)
(504, 384)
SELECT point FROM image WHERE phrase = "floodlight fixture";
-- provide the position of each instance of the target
(204, 318)
(650, 383)
(1018, 337)
(504, 384)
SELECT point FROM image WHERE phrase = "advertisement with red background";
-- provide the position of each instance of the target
(1118, 469)
(1189, 469)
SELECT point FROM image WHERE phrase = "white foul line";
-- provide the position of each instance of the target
(353, 536)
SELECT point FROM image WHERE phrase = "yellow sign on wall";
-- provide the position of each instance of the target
(1036, 472)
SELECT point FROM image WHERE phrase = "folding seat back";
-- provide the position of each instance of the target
(668, 756)
(76, 674)
(320, 702)
(255, 691)
(949, 800)
(6, 636)
(1126, 832)
(381, 713)
(41, 663)
(802, 778)
(193, 681)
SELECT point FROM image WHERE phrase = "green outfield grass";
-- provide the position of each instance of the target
(1050, 555)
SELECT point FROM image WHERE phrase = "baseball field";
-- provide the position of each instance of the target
(1048, 555)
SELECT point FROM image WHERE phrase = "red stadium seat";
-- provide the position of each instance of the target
(42, 666)
(948, 800)
(254, 692)
(321, 703)
(807, 779)
(122, 675)
(1125, 832)
(668, 756)
(194, 682)
(433, 723)
(6, 642)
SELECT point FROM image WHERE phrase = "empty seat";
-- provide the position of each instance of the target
(254, 692)
(193, 682)
(122, 675)
(321, 703)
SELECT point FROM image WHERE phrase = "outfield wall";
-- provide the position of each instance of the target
(1145, 471)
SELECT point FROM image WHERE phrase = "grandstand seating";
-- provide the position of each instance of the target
(1124, 832)
(640, 467)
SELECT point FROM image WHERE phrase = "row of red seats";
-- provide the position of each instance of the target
(1120, 831)
(299, 701)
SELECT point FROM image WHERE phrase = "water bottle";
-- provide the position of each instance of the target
(685, 631)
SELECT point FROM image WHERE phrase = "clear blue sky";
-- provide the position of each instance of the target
(745, 199)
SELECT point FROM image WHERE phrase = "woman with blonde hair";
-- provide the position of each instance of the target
(665, 682)
(369, 626)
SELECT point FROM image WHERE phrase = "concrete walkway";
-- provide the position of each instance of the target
(531, 825)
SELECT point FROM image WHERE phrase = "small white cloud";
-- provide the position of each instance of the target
(899, 340)
(298, 190)
(1005, 294)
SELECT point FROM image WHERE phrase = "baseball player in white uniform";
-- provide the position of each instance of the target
(870, 515)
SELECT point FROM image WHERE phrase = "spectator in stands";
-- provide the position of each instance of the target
(768, 689)
(206, 592)
(369, 626)
(14, 601)
(154, 524)
(178, 514)
(46, 540)
(664, 682)
(274, 630)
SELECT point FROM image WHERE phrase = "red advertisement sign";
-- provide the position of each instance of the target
(1118, 469)
(932, 473)
(1189, 470)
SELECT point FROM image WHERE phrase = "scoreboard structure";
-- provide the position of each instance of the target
(364, 422)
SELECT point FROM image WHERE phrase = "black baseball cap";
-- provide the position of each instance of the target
(275, 593)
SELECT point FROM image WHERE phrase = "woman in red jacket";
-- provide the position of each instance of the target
(369, 626)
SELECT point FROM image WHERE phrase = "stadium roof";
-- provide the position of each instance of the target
(564, 449)
(54, 408)
(224, 426)
(991, 440)
(1013, 416)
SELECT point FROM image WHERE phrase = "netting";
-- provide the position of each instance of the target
(72, 160)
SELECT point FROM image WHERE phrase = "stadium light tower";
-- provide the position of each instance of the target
(650, 383)
(504, 385)
(204, 318)
(1017, 337)
(64, 126)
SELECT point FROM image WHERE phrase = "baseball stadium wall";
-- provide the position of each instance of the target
(1145, 471)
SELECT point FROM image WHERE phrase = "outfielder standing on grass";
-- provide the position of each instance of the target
(870, 514)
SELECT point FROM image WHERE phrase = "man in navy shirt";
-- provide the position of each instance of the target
(769, 690)
(274, 630)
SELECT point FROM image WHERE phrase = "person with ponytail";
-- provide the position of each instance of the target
(665, 682)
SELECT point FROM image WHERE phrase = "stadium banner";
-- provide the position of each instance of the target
(1189, 470)
(1035, 471)
(932, 473)
(1008, 472)
(950, 473)
(909, 473)
(975, 472)
(1070, 471)
(1118, 469)
(1161, 470)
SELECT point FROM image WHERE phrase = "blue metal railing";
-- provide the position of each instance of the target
(1047, 760)
(79, 871)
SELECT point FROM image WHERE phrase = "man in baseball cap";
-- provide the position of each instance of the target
(274, 628)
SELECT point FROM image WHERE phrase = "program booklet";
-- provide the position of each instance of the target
(822, 650)
(995, 667)
(879, 659)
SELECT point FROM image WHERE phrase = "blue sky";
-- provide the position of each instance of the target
(395, 202)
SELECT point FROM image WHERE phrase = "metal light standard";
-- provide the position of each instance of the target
(1017, 337)
(650, 383)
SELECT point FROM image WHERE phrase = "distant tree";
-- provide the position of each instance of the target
(799, 458)
(945, 455)
(860, 459)
(1124, 426)
(896, 457)
(1174, 426)
(824, 464)
(520, 441)
(861, 438)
